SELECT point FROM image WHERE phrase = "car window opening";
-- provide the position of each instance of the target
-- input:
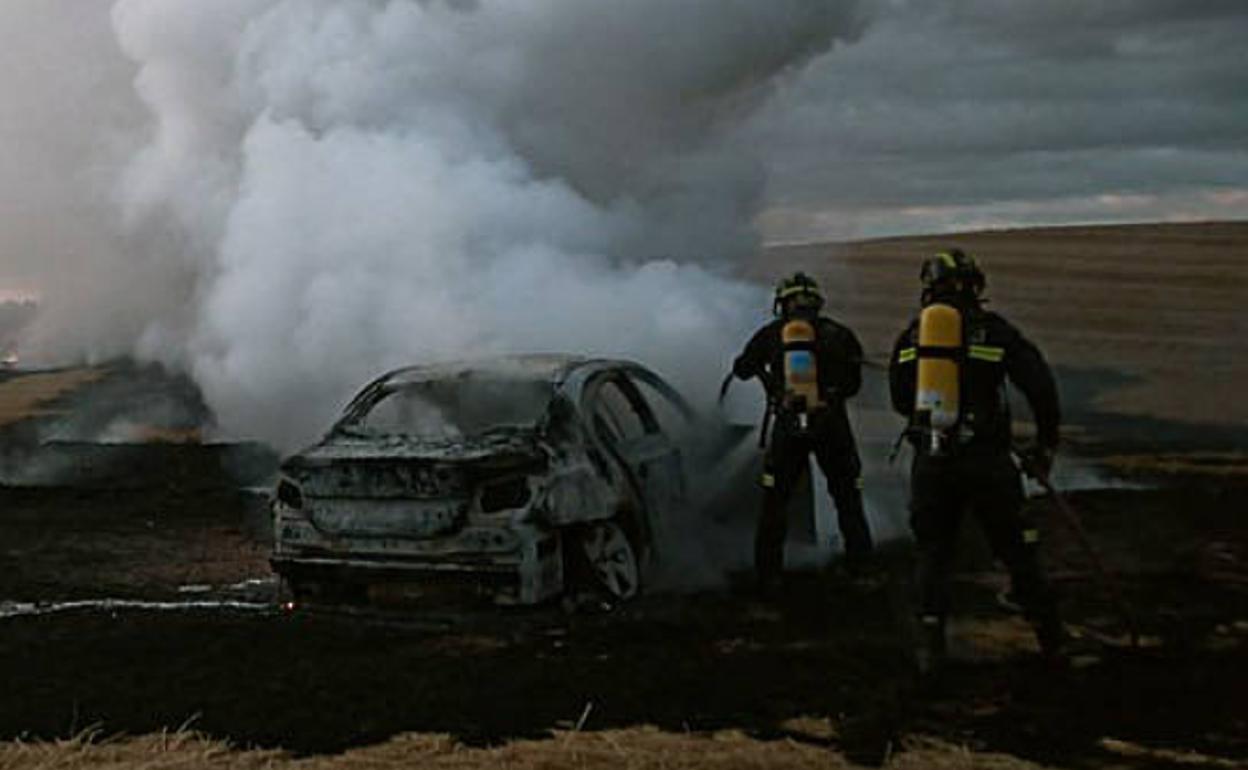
(455, 409)
(620, 413)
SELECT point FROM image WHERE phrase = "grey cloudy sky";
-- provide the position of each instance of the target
(949, 114)
(254, 190)
(942, 114)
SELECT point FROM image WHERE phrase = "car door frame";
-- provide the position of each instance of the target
(636, 456)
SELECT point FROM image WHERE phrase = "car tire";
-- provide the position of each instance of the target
(606, 560)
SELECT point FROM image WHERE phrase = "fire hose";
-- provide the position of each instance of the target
(765, 428)
(1075, 524)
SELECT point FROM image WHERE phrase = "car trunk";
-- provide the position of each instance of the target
(414, 490)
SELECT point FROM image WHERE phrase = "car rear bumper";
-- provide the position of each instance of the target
(529, 575)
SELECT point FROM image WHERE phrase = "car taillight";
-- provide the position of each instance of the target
(505, 495)
(289, 495)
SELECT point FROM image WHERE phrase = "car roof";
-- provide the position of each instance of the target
(548, 367)
(555, 368)
(562, 371)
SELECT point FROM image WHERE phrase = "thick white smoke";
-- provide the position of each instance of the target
(352, 185)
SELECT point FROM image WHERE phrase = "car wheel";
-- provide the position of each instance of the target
(610, 559)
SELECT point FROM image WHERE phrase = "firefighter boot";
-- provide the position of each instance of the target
(1052, 637)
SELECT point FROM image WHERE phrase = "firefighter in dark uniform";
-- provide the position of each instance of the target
(959, 425)
(809, 365)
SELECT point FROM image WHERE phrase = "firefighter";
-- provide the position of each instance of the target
(947, 376)
(809, 365)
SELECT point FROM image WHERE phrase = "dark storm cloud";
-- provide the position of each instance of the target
(975, 107)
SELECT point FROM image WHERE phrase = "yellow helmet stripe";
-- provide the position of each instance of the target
(789, 292)
(948, 259)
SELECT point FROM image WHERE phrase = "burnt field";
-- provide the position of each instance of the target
(137, 600)
(825, 666)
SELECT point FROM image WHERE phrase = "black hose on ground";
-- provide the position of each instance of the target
(1073, 522)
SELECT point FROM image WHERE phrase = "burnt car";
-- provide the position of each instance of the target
(516, 477)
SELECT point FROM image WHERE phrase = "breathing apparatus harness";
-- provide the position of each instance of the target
(793, 391)
(951, 282)
(798, 302)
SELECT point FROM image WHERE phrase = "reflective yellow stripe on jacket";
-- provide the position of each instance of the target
(988, 353)
(907, 354)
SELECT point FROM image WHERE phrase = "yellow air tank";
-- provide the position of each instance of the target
(937, 396)
(801, 374)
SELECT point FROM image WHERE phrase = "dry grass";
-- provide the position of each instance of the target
(182, 749)
(1170, 757)
(1199, 464)
(156, 434)
(644, 748)
(25, 396)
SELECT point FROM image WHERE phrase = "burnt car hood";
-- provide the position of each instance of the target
(498, 446)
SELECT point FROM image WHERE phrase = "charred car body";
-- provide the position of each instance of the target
(514, 475)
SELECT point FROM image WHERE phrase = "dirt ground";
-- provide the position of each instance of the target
(202, 665)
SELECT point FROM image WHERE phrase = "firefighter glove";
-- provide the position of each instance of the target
(1037, 461)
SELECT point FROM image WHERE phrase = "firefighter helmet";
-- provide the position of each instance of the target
(952, 272)
(797, 291)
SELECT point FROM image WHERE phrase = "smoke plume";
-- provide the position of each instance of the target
(332, 188)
